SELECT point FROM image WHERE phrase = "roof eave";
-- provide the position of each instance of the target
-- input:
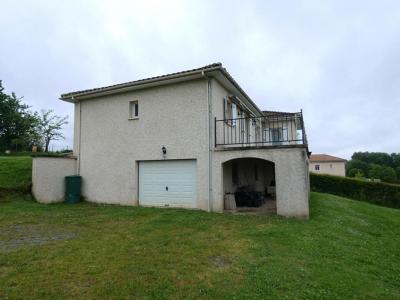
(327, 161)
(151, 82)
(74, 97)
(238, 87)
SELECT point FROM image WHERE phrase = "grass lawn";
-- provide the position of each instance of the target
(15, 172)
(348, 249)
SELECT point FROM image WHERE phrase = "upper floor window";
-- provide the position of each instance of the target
(228, 111)
(316, 167)
(234, 113)
(231, 111)
(133, 109)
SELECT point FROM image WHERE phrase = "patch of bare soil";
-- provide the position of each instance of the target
(220, 261)
(14, 237)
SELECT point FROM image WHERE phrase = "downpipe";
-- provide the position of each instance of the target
(210, 149)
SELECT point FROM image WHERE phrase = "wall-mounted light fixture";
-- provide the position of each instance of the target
(164, 151)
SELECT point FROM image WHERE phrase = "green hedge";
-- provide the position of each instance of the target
(375, 192)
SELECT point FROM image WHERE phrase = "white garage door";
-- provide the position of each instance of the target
(168, 182)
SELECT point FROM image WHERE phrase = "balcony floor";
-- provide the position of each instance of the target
(255, 147)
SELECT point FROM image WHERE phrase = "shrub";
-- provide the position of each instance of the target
(355, 173)
(375, 192)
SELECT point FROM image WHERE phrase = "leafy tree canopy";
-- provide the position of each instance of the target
(377, 165)
(20, 128)
(18, 125)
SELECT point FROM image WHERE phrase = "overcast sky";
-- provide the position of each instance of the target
(339, 61)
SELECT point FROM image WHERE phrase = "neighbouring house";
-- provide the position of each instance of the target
(192, 139)
(327, 164)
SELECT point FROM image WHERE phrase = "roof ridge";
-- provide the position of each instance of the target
(278, 112)
(325, 157)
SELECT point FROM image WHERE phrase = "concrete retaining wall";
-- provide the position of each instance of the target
(48, 177)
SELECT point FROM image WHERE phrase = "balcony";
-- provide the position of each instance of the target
(273, 130)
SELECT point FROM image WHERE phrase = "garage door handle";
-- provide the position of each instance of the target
(166, 188)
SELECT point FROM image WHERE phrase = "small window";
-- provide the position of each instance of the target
(133, 110)
(316, 167)
(227, 109)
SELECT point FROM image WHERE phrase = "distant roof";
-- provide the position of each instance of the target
(325, 158)
(274, 113)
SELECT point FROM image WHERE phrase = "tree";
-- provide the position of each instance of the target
(379, 165)
(18, 125)
(388, 174)
(356, 164)
(50, 127)
(379, 158)
(375, 171)
(395, 160)
(383, 173)
(359, 175)
(398, 173)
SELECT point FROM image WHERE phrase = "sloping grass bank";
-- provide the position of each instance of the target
(15, 173)
(348, 249)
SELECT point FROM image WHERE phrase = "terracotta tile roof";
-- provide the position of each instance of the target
(325, 158)
(131, 83)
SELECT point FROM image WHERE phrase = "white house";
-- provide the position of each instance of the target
(190, 139)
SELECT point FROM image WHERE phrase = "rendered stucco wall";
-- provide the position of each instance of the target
(331, 168)
(76, 129)
(48, 177)
(291, 174)
(174, 116)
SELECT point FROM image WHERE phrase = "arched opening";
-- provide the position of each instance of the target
(249, 185)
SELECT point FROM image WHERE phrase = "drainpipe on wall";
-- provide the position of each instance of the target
(78, 167)
(210, 149)
(80, 137)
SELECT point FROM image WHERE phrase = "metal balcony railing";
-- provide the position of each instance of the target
(272, 129)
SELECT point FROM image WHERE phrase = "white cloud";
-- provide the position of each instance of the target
(335, 59)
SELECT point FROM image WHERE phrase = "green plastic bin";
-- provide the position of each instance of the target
(72, 188)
